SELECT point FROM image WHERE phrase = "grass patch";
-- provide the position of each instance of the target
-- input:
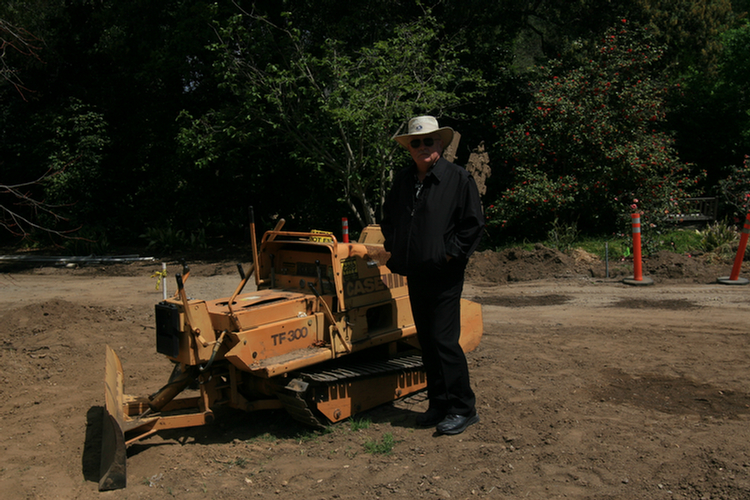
(359, 424)
(684, 240)
(676, 240)
(382, 447)
(311, 435)
(680, 241)
(266, 437)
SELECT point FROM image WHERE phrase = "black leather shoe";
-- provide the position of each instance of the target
(456, 424)
(431, 417)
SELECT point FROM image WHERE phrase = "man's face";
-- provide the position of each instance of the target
(425, 155)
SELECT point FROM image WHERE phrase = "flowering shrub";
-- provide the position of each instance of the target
(588, 146)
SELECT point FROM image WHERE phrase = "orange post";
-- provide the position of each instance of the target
(345, 229)
(734, 278)
(637, 264)
(637, 278)
(741, 250)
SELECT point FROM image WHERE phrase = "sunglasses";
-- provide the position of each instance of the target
(428, 142)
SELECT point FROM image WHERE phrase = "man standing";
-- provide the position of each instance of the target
(433, 222)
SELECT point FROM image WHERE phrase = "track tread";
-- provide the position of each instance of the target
(297, 404)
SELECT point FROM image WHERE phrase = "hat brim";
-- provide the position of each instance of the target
(446, 136)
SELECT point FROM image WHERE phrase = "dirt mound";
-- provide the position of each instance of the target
(44, 341)
(670, 265)
(516, 264)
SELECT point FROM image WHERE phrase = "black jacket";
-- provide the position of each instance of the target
(446, 220)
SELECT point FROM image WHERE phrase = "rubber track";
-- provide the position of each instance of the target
(360, 369)
(296, 402)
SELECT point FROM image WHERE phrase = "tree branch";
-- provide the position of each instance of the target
(22, 42)
(20, 225)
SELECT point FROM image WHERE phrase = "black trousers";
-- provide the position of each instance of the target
(436, 307)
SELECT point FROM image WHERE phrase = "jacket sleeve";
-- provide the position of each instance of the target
(469, 223)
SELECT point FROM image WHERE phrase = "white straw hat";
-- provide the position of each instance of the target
(425, 125)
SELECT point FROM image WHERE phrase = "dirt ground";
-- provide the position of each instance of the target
(588, 388)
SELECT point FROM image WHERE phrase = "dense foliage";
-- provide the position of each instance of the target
(334, 109)
(590, 146)
(136, 123)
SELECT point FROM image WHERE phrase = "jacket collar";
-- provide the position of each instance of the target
(436, 171)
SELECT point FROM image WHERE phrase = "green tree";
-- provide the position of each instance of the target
(734, 71)
(712, 112)
(689, 27)
(76, 153)
(338, 108)
(135, 65)
(728, 108)
(588, 146)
